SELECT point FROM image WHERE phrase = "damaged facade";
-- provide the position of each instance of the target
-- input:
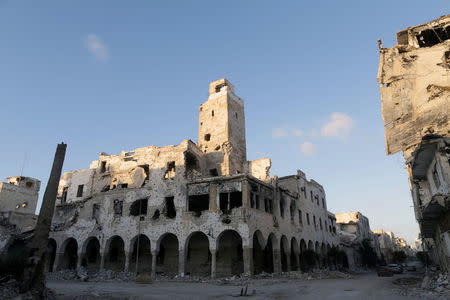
(353, 229)
(18, 200)
(415, 91)
(194, 208)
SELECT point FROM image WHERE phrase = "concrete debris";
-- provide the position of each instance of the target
(432, 286)
(11, 290)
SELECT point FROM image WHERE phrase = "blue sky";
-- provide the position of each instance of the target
(117, 75)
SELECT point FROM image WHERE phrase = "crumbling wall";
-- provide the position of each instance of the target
(260, 168)
(414, 86)
(18, 198)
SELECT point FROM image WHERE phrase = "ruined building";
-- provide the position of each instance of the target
(18, 200)
(415, 91)
(353, 229)
(193, 208)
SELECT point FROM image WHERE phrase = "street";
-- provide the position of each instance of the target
(365, 286)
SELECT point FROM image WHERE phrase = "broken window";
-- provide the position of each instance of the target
(124, 185)
(235, 199)
(213, 172)
(312, 200)
(80, 190)
(118, 206)
(268, 203)
(29, 184)
(435, 174)
(207, 137)
(228, 201)
(139, 207)
(292, 210)
(317, 199)
(300, 220)
(95, 211)
(323, 202)
(282, 204)
(223, 202)
(252, 200)
(170, 172)
(191, 161)
(220, 86)
(303, 189)
(257, 201)
(326, 226)
(433, 36)
(212, 113)
(64, 195)
(320, 223)
(314, 221)
(169, 209)
(198, 203)
(307, 219)
(103, 167)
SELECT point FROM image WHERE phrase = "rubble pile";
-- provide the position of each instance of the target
(432, 286)
(84, 275)
(11, 290)
(265, 277)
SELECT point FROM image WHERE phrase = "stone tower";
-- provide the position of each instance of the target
(221, 133)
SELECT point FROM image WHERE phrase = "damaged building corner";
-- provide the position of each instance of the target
(415, 101)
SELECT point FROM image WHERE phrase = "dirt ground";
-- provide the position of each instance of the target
(364, 286)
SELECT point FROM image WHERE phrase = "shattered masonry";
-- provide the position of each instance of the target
(415, 91)
(194, 208)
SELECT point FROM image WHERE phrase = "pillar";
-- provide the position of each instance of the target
(79, 259)
(288, 261)
(58, 259)
(102, 260)
(213, 263)
(276, 261)
(181, 262)
(212, 197)
(248, 260)
(154, 255)
(127, 262)
(245, 194)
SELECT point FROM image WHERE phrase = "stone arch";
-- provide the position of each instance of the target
(310, 246)
(324, 255)
(268, 253)
(168, 253)
(198, 256)
(51, 254)
(141, 254)
(70, 254)
(294, 254)
(91, 254)
(259, 259)
(303, 246)
(115, 253)
(229, 257)
(284, 251)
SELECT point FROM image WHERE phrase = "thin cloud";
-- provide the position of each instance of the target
(279, 132)
(308, 148)
(340, 125)
(297, 132)
(97, 48)
(284, 132)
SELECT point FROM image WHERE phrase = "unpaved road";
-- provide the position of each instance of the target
(367, 286)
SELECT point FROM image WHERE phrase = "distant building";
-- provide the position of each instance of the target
(353, 228)
(19, 194)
